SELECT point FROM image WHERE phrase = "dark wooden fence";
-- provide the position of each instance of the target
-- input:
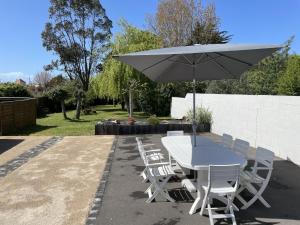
(16, 113)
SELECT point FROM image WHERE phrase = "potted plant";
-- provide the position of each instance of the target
(130, 121)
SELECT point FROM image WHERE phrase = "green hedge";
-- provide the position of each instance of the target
(13, 90)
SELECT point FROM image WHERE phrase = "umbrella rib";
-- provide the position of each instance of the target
(220, 65)
(179, 62)
(186, 58)
(157, 63)
(233, 58)
(198, 61)
(210, 59)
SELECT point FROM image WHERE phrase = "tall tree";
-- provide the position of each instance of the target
(59, 94)
(186, 22)
(42, 79)
(173, 21)
(78, 33)
(206, 28)
(116, 77)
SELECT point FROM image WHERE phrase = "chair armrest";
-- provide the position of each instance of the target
(158, 164)
(153, 150)
(146, 145)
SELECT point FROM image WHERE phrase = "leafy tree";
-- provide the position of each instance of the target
(116, 76)
(222, 87)
(56, 81)
(208, 34)
(263, 79)
(59, 94)
(260, 80)
(289, 83)
(13, 90)
(78, 33)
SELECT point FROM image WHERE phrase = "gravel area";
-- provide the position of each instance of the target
(56, 187)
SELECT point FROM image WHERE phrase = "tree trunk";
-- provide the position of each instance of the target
(78, 107)
(123, 105)
(130, 103)
(63, 109)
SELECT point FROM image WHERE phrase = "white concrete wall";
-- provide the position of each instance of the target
(272, 122)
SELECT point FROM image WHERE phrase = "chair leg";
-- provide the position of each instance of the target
(159, 189)
(144, 175)
(204, 203)
(257, 195)
(233, 216)
(211, 220)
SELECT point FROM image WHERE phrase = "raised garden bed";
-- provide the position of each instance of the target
(102, 128)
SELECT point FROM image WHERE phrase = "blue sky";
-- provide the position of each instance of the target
(249, 21)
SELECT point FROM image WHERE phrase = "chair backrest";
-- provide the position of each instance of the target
(241, 147)
(141, 149)
(175, 133)
(227, 140)
(224, 173)
(264, 159)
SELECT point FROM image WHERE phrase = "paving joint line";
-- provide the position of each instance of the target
(98, 197)
(20, 160)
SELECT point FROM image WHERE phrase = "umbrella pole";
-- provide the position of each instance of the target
(194, 106)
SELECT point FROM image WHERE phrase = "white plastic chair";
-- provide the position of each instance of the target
(263, 162)
(227, 140)
(241, 147)
(152, 155)
(223, 181)
(158, 174)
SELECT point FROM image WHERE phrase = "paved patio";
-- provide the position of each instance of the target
(124, 198)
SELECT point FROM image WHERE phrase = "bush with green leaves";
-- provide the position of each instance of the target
(289, 82)
(153, 120)
(13, 90)
(203, 115)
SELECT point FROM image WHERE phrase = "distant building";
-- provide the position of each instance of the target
(20, 81)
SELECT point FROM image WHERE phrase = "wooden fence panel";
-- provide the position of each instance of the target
(16, 113)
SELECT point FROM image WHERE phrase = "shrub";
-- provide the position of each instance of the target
(203, 115)
(153, 120)
(13, 90)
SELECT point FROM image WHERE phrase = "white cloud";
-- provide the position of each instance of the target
(12, 76)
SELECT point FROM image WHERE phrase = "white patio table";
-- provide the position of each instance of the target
(207, 152)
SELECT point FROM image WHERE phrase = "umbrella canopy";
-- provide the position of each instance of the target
(210, 62)
(197, 62)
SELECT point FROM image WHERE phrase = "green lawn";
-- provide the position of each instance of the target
(54, 124)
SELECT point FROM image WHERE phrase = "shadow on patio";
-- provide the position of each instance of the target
(6, 144)
(124, 198)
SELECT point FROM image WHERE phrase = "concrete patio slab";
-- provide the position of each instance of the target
(124, 198)
(57, 186)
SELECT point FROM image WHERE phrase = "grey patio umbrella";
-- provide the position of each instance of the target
(197, 62)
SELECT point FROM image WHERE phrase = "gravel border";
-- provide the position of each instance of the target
(20, 160)
(98, 198)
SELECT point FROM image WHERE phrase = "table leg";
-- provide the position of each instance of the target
(201, 178)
